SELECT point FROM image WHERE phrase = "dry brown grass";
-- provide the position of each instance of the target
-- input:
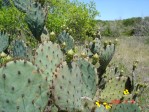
(130, 49)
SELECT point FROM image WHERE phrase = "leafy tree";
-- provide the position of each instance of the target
(11, 19)
(78, 17)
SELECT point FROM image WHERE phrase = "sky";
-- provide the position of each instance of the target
(120, 9)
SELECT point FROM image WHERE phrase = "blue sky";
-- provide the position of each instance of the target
(121, 9)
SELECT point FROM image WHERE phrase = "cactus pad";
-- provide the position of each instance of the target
(68, 39)
(35, 18)
(105, 57)
(143, 100)
(22, 88)
(47, 57)
(4, 41)
(22, 5)
(95, 46)
(89, 78)
(67, 87)
(19, 49)
(114, 89)
(125, 108)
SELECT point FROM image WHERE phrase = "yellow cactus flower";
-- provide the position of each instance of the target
(107, 106)
(104, 103)
(97, 103)
(126, 92)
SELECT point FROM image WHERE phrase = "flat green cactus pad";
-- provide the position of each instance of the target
(95, 46)
(22, 88)
(114, 89)
(68, 39)
(4, 41)
(22, 5)
(67, 87)
(106, 56)
(47, 57)
(125, 108)
(19, 49)
(89, 78)
(35, 18)
(143, 100)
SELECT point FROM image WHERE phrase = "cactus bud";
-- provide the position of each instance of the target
(52, 36)
(95, 58)
(121, 72)
(83, 55)
(8, 58)
(116, 41)
(134, 66)
(110, 42)
(105, 44)
(70, 52)
(3, 54)
(63, 45)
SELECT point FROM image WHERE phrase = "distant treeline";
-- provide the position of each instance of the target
(137, 26)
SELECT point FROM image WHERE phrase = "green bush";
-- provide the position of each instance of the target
(76, 17)
(11, 19)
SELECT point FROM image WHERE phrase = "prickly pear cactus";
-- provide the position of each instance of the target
(19, 49)
(4, 41)
(64, 37)
(35, 18)
(100, 109)
(125, 107)
(105, 57)
(45, 35)
(114, 89)
(22, 5)
(47, 57)
(67, 87)
(143, 100)
(95, 46)
(89, 78)
(22, 88)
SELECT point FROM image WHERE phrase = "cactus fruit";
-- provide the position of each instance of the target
(68, 39)
(4, 41)
(67, 87)
(35, 18)
(47, 58)
(125, 107)
(22, 88)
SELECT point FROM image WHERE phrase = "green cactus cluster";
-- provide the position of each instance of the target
(57, 77)
(19, 49)
(66, 41)
(35, 18)
(22, 5)
(22, 88)
(4, 41)
(125, 108)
